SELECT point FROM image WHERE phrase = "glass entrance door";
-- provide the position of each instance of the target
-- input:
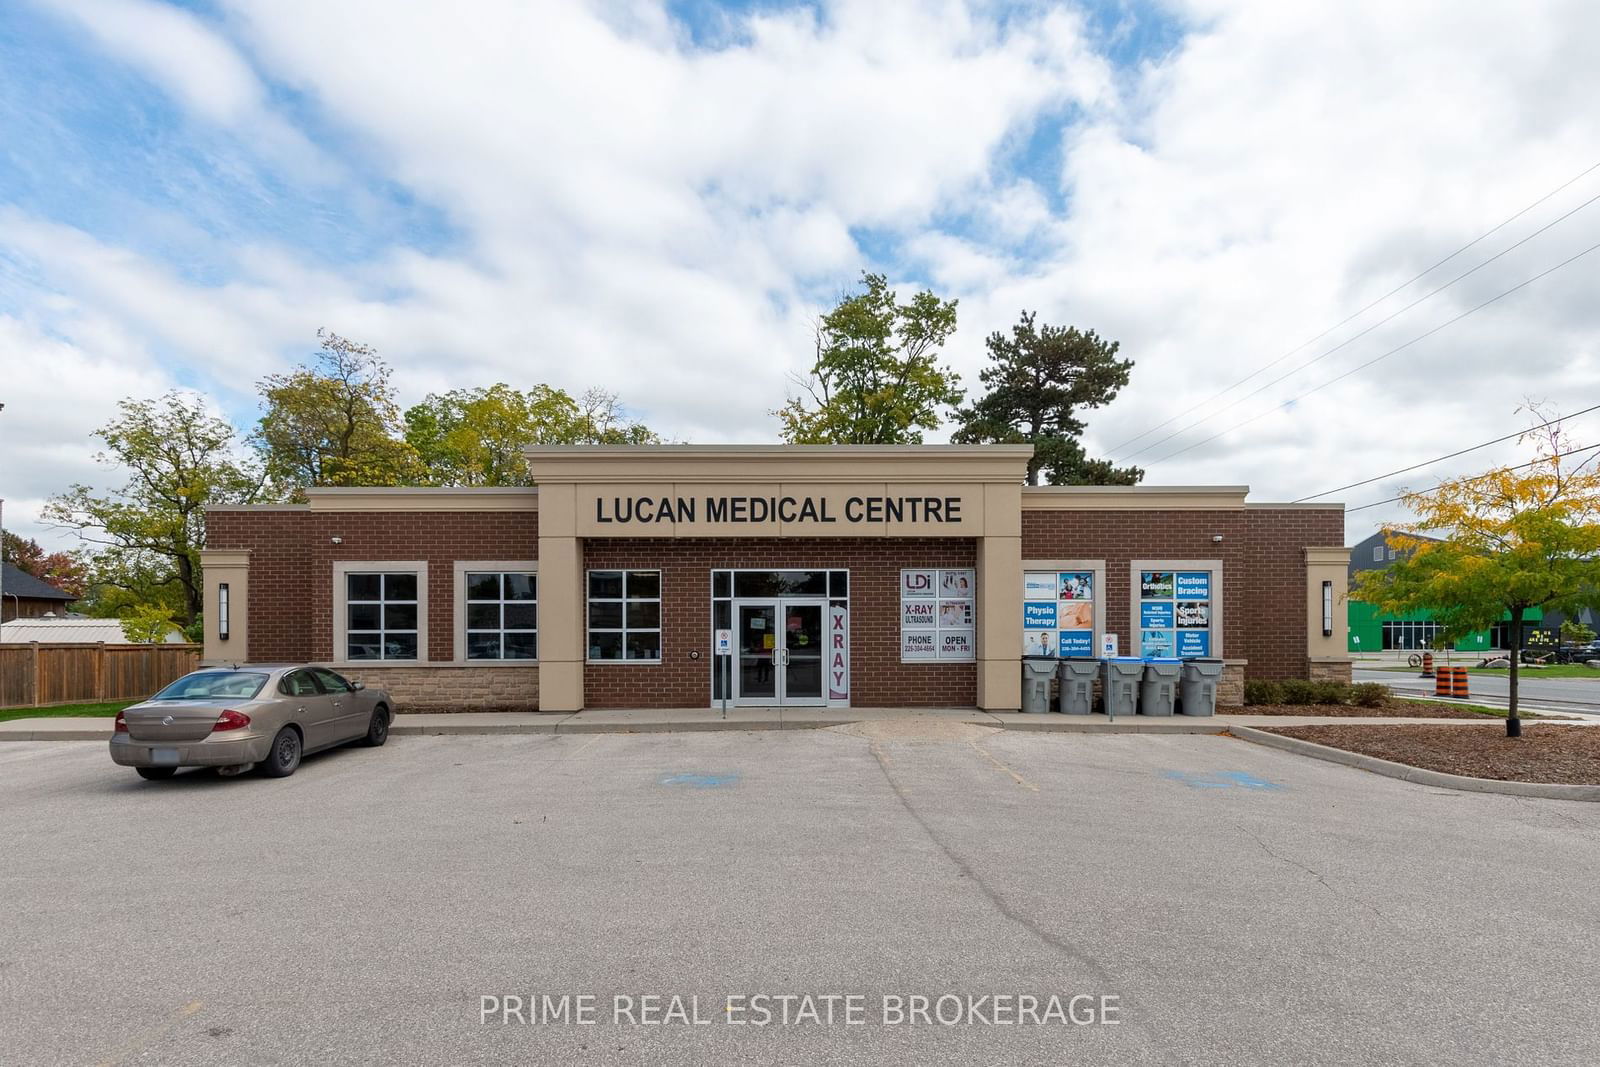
(780, 652)
(803, 669)
(755, 637)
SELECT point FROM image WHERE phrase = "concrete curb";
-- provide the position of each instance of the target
(1416, 775)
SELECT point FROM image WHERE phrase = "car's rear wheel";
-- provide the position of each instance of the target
(377, 728)
(284, 755)
(156, 774)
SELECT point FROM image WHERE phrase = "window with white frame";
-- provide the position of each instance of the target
(381, 615)
(502, 614)
(625, 616)
(1377, 553)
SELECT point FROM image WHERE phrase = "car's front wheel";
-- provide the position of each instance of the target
(377, 728)
(156, 774)
(284, 755)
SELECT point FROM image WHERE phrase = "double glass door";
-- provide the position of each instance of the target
(779, 652)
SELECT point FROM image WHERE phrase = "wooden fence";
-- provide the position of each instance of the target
(40, 675)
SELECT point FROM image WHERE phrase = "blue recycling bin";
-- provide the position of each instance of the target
(1121, 684)
(1158, 690)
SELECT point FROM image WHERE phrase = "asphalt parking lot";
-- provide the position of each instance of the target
(1242, 905)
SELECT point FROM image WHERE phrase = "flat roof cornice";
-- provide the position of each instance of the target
(763, 465)
(1134, 497)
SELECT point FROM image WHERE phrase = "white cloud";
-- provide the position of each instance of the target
(635, 212)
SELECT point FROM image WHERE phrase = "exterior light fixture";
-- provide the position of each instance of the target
(337, 540)
(1216, 539)
(1327, 609)
(222, 611)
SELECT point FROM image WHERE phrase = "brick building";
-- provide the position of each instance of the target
(866, 575)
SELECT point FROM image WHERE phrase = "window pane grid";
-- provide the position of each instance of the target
(624, 615)
(502, 615)
(381, 615)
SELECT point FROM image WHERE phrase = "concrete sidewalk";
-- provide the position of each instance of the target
(663, 720)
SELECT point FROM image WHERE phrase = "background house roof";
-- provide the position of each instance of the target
(18, 582)
(77, 631)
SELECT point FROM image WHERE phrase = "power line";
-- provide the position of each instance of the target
(1357, 336)
(1384, 356)
(1441, 459)
(1519, 466)
(1356, 315)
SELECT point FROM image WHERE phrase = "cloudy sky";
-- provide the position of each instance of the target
(657, 197)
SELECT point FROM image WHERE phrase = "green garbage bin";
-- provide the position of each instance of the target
(1036, 674)
(1077, 684)
(1121, 684)
(1159, 689)
(1197, 688)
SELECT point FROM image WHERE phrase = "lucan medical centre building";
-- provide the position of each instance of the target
(867, 576)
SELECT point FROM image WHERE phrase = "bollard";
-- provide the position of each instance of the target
(1427, 665)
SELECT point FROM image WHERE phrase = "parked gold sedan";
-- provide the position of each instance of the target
(235, 718)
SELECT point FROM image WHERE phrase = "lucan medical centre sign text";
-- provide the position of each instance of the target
(748, 510)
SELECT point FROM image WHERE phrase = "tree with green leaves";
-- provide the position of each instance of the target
(66, 571)
(147, 624)
(334, 421)
(476, 436)
(179, 459)
(1509, 541)
(1039, 379)
(876, 378)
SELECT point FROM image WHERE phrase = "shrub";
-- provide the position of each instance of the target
(1369, 694)
(1263, 693)
(1299, 691)
(1331, 692)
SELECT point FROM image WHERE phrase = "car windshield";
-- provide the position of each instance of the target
(203, 685)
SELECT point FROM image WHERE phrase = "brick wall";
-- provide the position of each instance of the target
(292, 557)
(877, 677)
(1263, 565)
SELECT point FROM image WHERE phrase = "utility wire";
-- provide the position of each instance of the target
(1441, 459)
(1519, 466)
(1357, 314)
(1357, 336)
(1384, 356)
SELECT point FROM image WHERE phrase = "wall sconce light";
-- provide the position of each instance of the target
(222, 611)
(337, 540)
(1216, 539)
(1327, 609)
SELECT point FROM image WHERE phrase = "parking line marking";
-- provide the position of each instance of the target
(142, 1041)
(986, 754)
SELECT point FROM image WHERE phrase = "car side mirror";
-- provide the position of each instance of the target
(358, 685)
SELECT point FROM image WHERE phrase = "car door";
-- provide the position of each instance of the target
(309, 707)
(351, 710)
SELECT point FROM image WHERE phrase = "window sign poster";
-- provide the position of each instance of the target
(1058, 613)
(1153, 643)
(955, 614)
(957, 584)
(955, 644)
(838, 652)
(1039, 585)
(1155, 614)
(1077, 642)
(1193, 585)
(1193, 615)
(1155, 585)
(1075, 585)
(1038, 614)
(1194, 643)
(1039, 643)
(1075, 615)
(936, 614)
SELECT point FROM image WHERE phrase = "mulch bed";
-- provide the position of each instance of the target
(1413, 709)
(1567, 755)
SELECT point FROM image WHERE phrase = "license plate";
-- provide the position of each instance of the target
(164, 757)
